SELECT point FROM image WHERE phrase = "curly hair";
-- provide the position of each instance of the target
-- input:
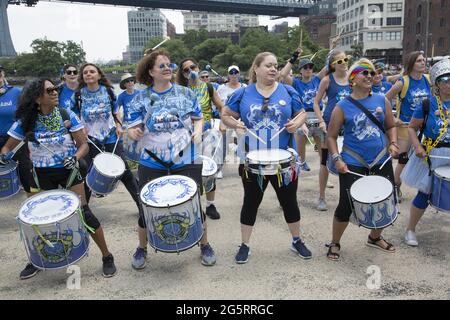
(146, 64)
(180, 78)
(103, 80)
(27, 108)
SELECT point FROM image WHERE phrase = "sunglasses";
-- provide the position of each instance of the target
(308, 67)
(69, 72)
(341, 61)
(51, 90)
(204, 77)
(233, 72)
(191, 67)
(170, 66)
(365, 73)
(265, 105)
(443, 80)
(129, 80)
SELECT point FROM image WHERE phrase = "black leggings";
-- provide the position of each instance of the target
(344, 209)
(147, 174)
(127, 178)
(253, 195)
(25, 166)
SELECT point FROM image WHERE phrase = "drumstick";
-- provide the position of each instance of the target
(386, 161)
(95, 144)
(11, 154)
(356, 174)
(284, 128)
(440, 157)
(117, 141)
(309, 140)
(301, 38)
(217, 148)
(159, 44)
(238, 122)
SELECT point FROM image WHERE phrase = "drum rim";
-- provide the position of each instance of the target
(107, 175)
(43, 192)
(177, 251)
(67, 265)
(383, 227)
(11, 195)
(438, 209)
(165, 206)
(209, 158)
(100, 193)
(9, 170)
(439, 176)
(285, 160)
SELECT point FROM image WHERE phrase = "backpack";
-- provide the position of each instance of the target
(112, 99)
(404, 91)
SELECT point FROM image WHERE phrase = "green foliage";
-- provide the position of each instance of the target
(176, 48)
(193, 38)
(356, 52)
(209, 48)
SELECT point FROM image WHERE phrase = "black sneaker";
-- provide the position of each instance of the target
(29, 272)
(211, 212)
(109, 269)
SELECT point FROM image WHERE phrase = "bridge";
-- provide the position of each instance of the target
(280, 8)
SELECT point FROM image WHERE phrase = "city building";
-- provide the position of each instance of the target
(427, 20)
(319, 21)
(376, 25)
(143, 25)
(217, 22)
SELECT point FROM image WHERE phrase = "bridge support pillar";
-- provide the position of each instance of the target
(6, 44)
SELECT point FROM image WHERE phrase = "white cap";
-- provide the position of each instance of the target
(233, 67)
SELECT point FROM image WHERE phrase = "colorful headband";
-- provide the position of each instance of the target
(360, 68)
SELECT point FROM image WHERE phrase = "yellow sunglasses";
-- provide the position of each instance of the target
(341, 61)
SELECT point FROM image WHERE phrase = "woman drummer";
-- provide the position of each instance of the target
(57, 142)
(95, 104)
(365, 148)
(167, 119)
(267, 107)
(418, 89)
(432, 117)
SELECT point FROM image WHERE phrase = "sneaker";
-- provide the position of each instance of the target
(411, 239)
(322, 205)
(139, 257)
(330, 185)
(304, 166)
(243, 254)
(211, 212)
(208, 255)
(219, 175)
(29, 272)
(109, 269)
(300, 248)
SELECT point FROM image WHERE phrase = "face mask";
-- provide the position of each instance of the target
(193, 75)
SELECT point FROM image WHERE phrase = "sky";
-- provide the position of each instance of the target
(102, 30)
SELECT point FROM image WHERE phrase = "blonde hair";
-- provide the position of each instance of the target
(256, 63)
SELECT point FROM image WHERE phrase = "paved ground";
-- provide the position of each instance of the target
(273, 271)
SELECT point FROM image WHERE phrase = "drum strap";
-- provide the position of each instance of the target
(361, 160)
(155, 157)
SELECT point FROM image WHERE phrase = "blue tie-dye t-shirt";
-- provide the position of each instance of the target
(283, 104)
(418, 91)
(53, 135)
(167, 119)
(308, 91)
(8, 106)
(66, 97)
(382, 88)
(123, 100)
(97, 114)
(361, 135)
(434, 121)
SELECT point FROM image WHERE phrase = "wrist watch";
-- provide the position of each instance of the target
(336, 157)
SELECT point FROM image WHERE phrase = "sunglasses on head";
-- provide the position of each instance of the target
(341, 61)
(265, 105)
(69, 72)
(365, 73)
(170, 66)
(191, 67)
(444, 79)
(51, 90)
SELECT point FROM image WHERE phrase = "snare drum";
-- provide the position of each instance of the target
(374, 204)
(269, 162)
(209, 172)
(440, 191)
(330, 163)
(107, 169)
(172, 213)
(9, 180)
(51, 227)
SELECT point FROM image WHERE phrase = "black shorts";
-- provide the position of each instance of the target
(53, 178)
(344, 209)
(146, 174)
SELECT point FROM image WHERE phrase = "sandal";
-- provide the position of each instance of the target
(333, 256)
(371, 242)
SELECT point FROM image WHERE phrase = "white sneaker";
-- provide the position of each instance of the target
(219, 175)
(411, 239)
(322, 205)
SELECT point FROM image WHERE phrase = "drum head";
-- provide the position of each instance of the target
(49, 207)
(7, 168)
(168, 191)
(443, 172)
(371, 189)
(269, 155)
(109, 164)
(209, 166)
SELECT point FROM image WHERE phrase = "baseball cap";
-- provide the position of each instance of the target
(305, 62)
(233, 67)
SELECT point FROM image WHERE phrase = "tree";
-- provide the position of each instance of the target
(208, 49)
(73, 53)
(176, 48)
(357, 51)
(48, 55)
(192, 38)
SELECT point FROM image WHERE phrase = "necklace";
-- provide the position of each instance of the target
(52, 121)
